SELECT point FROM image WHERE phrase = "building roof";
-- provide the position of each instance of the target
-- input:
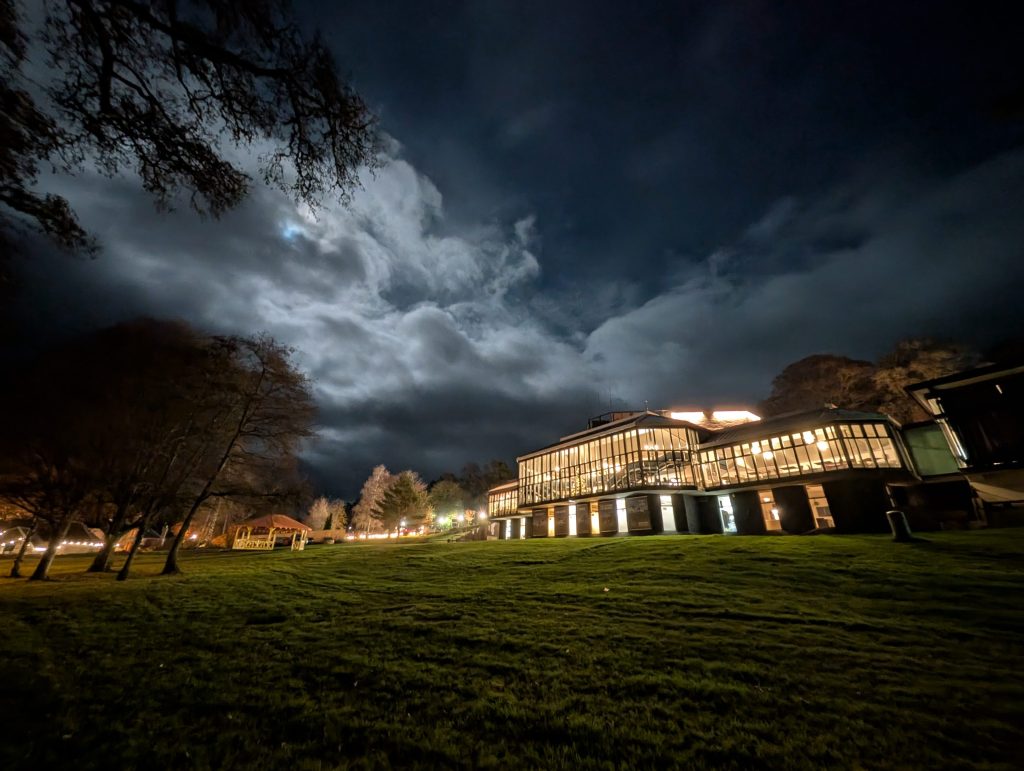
(790, 422)
(967, 377)
(276, 521)
(509, 485)
(647, 419)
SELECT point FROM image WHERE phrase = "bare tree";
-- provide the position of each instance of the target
(259, 409)
(318, 513)
(152, 423)
(366, 513)
(46, 448)
(149, 421)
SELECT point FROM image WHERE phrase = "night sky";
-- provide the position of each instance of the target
(586, 205)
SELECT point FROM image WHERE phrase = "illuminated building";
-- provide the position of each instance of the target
(719, 472)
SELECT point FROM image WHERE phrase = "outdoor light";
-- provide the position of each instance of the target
(808, 437)
(822, 444)
(768, 455)
(402, 523)
(734, 415)
(461, 517)
(483, 515)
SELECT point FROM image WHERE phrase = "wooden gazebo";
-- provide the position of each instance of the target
(261, 533)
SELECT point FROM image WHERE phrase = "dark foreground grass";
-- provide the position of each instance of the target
(734, 652)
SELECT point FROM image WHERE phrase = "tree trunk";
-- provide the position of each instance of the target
(42, 570)
(16, 567)
(171, 566)
(101, 563)
(127, 566)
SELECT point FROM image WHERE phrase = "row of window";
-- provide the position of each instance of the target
(588, 520)
(810, 452)
(620, 461)
(503, 502)
(662, 457)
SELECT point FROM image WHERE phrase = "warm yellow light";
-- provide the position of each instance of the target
(769, 455)
(755, 448)
(689, 417)
(767, 500)
(734, 415)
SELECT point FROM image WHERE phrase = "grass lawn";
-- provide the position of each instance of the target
(705, 651)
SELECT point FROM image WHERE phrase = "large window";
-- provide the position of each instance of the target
(726, 512)
(769, 510)
(819, 506)
(502, 503)
(829, 448)
(628, 459)
(870, 446)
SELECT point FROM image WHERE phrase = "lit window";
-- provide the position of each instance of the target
(769, 511)
(819, 506)
(728, 518)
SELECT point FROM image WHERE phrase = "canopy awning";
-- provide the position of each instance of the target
(276, 522)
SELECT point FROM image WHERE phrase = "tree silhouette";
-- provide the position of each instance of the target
(162, 88)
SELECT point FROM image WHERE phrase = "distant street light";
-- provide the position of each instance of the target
(461, 517)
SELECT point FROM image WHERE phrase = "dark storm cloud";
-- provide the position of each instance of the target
(931, 257)
(597, 204)
(663, 130)
(417, 341)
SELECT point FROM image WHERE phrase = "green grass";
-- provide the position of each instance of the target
(706, 651)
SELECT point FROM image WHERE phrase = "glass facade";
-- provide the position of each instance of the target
(830, 448)
(502, 503)
(870, 445)
(636, 457)
(632, 458)
(930, 450)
